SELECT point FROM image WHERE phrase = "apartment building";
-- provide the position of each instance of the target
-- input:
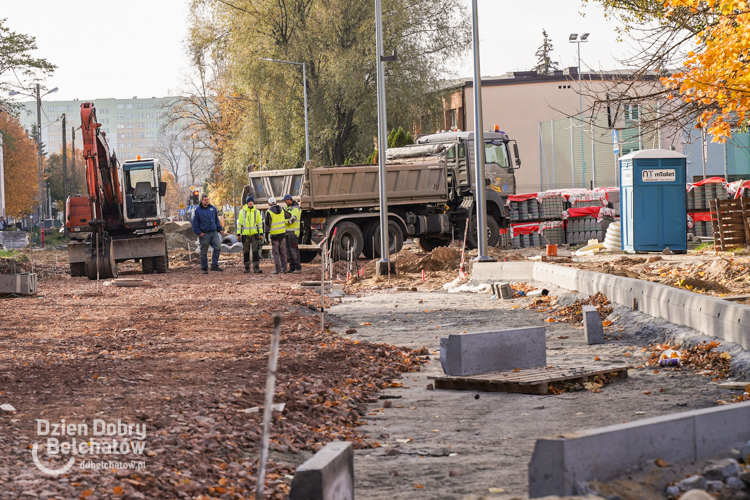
(134, 127)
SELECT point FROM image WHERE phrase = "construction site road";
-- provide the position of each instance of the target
(452, 444)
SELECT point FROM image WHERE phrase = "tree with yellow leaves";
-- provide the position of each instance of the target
(20, 163)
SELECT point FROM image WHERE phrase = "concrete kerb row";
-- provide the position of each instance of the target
(709, 315)
(560, 464)
(328, 475)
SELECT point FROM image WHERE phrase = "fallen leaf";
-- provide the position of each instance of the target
(419, 486)
(646, 392)
(516, 370)
(117, 490)
(661, 463)
(596, 358)
(496, 490)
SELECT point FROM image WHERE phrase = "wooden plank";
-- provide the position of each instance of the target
(745, 210)
(715, 208)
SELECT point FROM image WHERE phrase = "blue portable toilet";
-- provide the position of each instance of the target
(653, 201)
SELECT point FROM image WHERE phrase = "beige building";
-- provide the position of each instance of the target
(541, 112)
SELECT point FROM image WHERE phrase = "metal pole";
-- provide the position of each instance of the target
(39, 156)
(593, 158)
(73, 155)
(64, 174)
(480, 192)
(2, 180)
(572, 156)
(307, 131)
(260, 131)
(554, 173)
(384, 263)
(726, 165)
(541, 185)
(704, 151)
(580, 119)
(273, 359)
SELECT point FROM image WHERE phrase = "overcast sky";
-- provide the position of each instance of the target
(135, 48)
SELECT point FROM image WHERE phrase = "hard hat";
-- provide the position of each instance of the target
(286, 197)
(272, 201)
(249, 199)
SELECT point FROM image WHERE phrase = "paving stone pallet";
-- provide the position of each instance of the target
(526, 381)
(730, 223)
(582, 229)
(700, 197)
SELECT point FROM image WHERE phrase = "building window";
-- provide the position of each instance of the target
(129, 116)
(140, 125)
(131, 155)
(130, 125)
(120, 125)
(130, 136)
(149, 115)
(150, 125)
(140, 105)
(141, 135)
(139, 115)
(160, 144)
(120, 117)
(160, 134)
(50, 108)
(104, 111)
(140, 144)
(128, 106)
(159, 115)
(70, 108)
(150, 144)
(631, 112)
(121, 145)
(120, 106)
(121, 136)
(130, 144)
(149, 105)
(150, 134)
(61, 108)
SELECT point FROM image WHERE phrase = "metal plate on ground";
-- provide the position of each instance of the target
(526, 381)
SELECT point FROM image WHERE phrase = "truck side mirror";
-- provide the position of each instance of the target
(162, 188)
(518, 156)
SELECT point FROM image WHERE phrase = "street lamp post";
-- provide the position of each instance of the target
(38, 96)
(304, 89)
(574, 39)
(481, 194)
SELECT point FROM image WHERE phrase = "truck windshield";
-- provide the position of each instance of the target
(498, 154)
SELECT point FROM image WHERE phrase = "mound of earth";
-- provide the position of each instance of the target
(179, 227)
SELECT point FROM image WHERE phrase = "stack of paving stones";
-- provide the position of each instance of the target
(699, 198)
(527, 240)
(703, 228)
(551, 208)
(582, 229)
(552, 232)
(526, 210)
(723, 478)
(614, 201)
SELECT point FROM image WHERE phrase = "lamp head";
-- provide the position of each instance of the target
(584, 37)
(573, 37)
(53, 90)
(13, 92)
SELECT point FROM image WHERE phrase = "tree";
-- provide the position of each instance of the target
(335, 40)
(18, 68)
(545, 64)
(176, 194)
(76, 177)
(398, 138)
(184, 157)
(20, 165)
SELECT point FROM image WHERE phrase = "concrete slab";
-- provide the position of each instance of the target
(485, 352)
(593, 330)
(328, 475)
(559, 464)
(9, 283)
(502, 271)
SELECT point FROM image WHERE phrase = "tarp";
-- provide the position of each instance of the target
(737, 189)
(550, 224)
(528, 228)
(521, 197)
(710, 180)
(701, 216)
(599, 212)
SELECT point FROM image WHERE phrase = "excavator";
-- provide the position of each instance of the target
(123, 215)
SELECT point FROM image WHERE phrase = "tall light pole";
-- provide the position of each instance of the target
(38, 96)
(304, 89)
(2, 180)
(574, 39)
(481, 194)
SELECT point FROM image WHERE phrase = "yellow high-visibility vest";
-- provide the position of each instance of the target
(250, 222)
(293, 227)
(278, 223)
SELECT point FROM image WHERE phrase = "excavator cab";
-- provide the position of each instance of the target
(144, 193)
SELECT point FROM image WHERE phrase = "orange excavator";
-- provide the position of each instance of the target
(122, 216)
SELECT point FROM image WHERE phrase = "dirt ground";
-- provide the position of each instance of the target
(449, 444)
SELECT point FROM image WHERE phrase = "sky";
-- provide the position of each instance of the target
(141, 51)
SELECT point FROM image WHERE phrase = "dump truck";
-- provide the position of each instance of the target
(122, 217)
(431, 189)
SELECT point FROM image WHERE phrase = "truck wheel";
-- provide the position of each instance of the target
(307, 256)
(77, 269)
(395, 239)
(348, 237)
(161, 264)
(147, 264)
(369, 232)
(428, 244)
(493, 233)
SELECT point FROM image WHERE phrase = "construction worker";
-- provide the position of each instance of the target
(292, 234)
(250, 233)
(207, 226)
(276, 230)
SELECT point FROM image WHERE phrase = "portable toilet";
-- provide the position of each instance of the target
(653, 201)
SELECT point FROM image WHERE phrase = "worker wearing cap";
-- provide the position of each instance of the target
(250, 232)
(292, 234)
(276, 230)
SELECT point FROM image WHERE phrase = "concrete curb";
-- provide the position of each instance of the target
(711, 316)
(559, 464)
(329, 474)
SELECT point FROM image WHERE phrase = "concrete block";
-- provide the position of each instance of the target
(601, 454)
(485, 352)
(593, 330)
(487, 270)
(502, 291)
(9, 283)
(27, 283)
(328, 475)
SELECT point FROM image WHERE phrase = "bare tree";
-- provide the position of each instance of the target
(185, 157)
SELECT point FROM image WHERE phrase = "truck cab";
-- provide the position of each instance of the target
(143, 203)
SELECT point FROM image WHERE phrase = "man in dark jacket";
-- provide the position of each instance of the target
(207, 226)
(276, 228)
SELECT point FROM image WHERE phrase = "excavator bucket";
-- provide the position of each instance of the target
(100, 257)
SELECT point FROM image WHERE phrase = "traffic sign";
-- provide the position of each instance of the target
(192, 188)
(182, 206)
(615, 142)
(182, 211)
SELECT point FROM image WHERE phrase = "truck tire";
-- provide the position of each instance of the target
(307, 256)
(395, 239)
(161, 263)
(369, 233)
(77, 269)
(428, 244)
(348, 236)
(493, 233)
(147, 264)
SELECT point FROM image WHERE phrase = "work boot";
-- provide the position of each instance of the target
(257, 270)
(276, 271)
(247, 269)
(217, 268)
(205, 270)
(297, 271)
